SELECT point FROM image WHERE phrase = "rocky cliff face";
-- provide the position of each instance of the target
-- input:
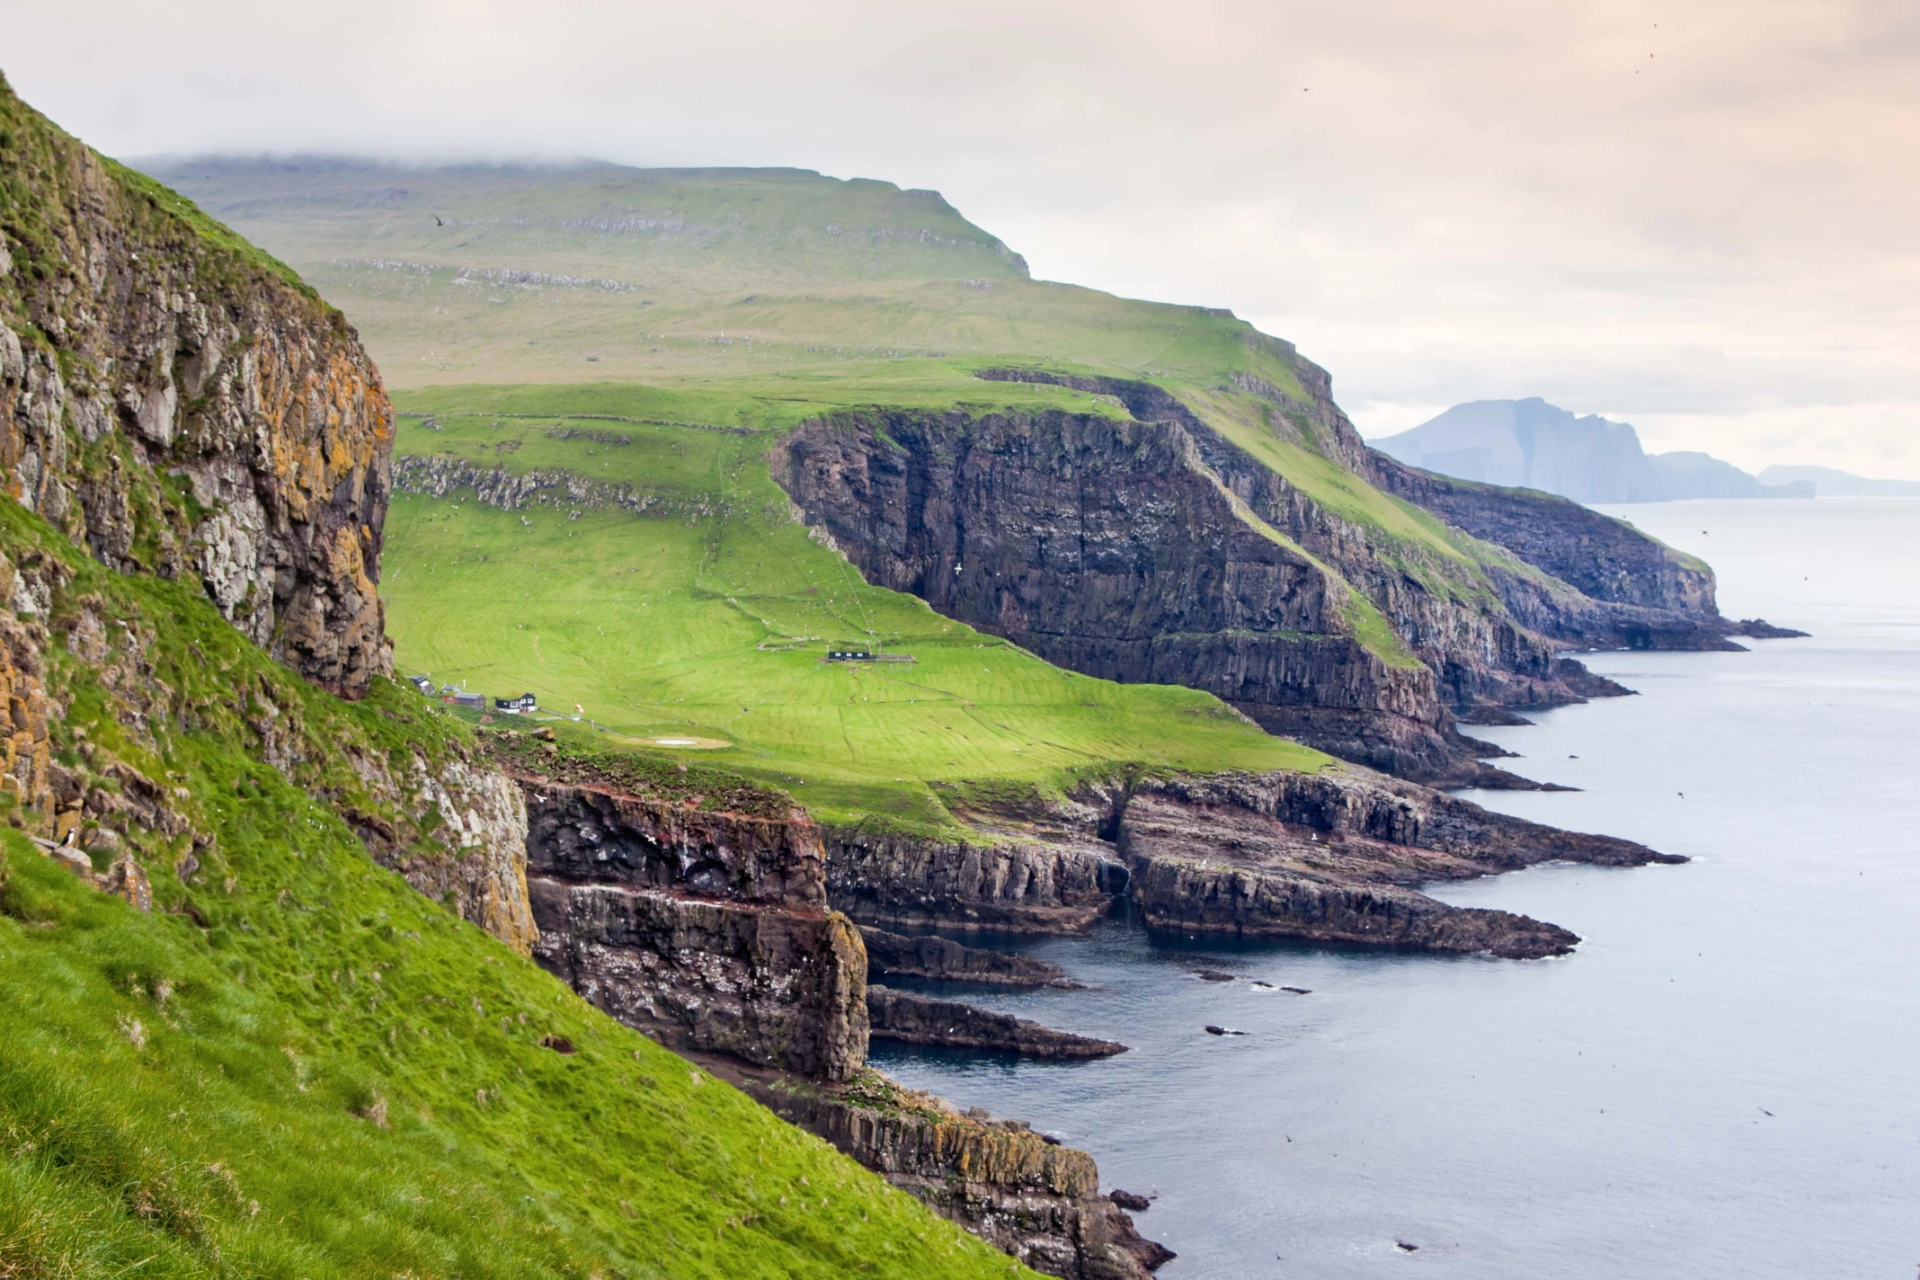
(1334, 856)
(703, 920)
(1157, 549)
(1012, 885)
(1035, 1199)
(181, 405)
(710, 930)
(1110, 548)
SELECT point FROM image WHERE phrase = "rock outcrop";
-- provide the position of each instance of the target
(180, 404)
(931, 958)
(696, 909)
(1334, 856)
(916, 1019)
(708, 929)
(1036, 1199)
(1110, 548)
(1011, 885)
(1158, 549)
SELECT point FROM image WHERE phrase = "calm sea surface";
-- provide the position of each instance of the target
(1723, 1081)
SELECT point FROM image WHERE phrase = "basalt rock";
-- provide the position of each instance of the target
(1112, 549)
(1157, 549)
(894, 955)
(708, 929)
(1037, 1200)
(767, 985)
(916, 1019)
(1334, 857)
(181, 404)
(1022, 886)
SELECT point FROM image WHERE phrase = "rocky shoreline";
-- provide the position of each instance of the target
(936, 959)
(910, 1018)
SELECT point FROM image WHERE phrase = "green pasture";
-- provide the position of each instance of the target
(716, 626)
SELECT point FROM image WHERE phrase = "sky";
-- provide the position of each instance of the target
(1697, 217)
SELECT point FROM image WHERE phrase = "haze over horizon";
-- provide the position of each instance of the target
(1697, 220)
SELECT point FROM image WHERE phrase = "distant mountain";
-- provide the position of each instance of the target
(1535, 445)
(1829, 483)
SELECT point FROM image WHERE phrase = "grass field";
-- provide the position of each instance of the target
(714, 626)
(501, 301)
(334, 1077)
(604, 273)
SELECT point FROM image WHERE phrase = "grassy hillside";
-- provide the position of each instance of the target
(501, 300)
(607, 273)
(707, 618)
(298, 1067)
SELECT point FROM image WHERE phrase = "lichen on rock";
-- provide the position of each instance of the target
(181, 404)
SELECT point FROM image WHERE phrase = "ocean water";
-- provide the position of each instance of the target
(1723, 1081)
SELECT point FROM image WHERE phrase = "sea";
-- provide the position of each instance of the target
(1723, 1080)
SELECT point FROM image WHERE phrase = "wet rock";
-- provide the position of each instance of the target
(893, 955)
(1025, 1193)
(915, 1019)
(1212, 975)
(1130, 1200)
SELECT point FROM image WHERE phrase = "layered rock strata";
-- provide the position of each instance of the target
(1157, 549)
(180, 404)
(1108, 547)
(710, 930)
(1334, 856)
(1032, 1197)
(1015, 885)
(932, 958)
(909, 1018)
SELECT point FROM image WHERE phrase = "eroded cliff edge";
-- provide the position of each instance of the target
(1158, 548)
(180, 404)
(1335, 856)
(694, 907)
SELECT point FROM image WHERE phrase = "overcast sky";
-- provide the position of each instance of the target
(1699, 217)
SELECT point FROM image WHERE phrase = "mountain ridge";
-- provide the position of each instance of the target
(1531, 444)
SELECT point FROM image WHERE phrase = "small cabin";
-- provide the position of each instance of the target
(421, 683)
(516, 706)
(849, 655)
(461, 698)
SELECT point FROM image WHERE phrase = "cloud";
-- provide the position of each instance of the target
(1699, 214)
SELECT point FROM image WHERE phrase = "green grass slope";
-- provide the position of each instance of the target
(298, 1067)
(754, 300)
(708, 616)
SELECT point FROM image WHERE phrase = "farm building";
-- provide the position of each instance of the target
(516, 706)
